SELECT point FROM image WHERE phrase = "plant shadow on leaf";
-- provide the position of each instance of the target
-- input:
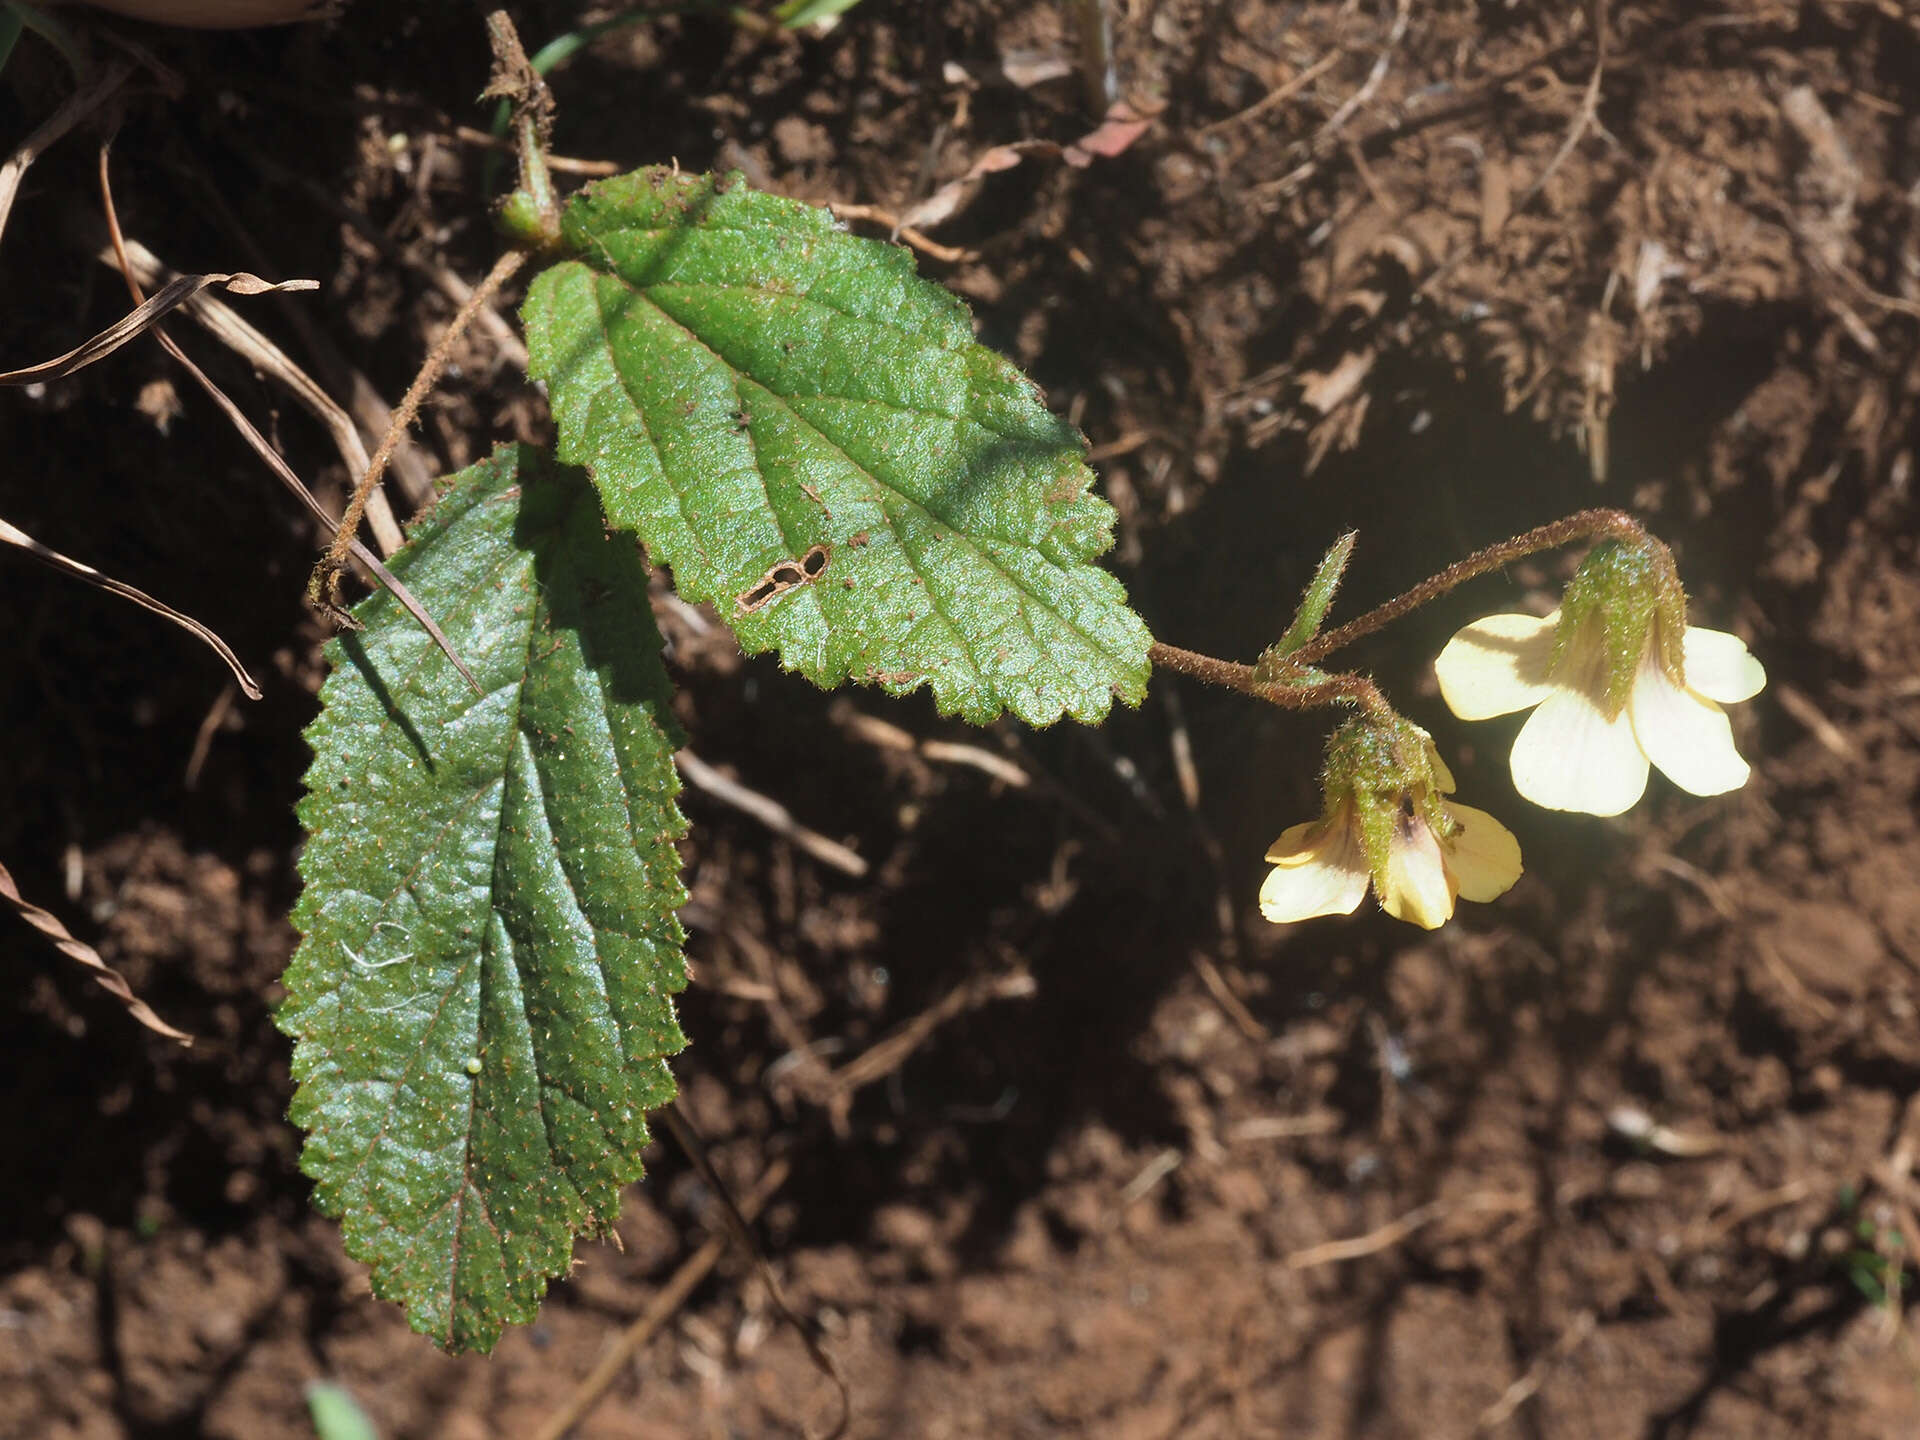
(617, 638)
(355, 651)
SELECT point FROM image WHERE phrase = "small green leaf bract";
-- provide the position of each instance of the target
(1314, 604)
(808, 433)
(482, 1001)
(336, 1414)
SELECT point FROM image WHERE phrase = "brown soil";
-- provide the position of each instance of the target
(1091, 1199)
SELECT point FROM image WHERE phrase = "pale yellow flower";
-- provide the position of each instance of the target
(1576, 752)
(1323, 867)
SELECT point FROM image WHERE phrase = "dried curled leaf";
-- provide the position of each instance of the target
(135, 323)
(109, 979)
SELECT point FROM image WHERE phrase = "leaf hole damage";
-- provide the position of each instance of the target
(785, 576)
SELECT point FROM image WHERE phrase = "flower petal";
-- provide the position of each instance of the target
(1482, 855)
(1497, 665)
(1721, 667)
(1685, 734)
(1331, 882)
(1569, 756)
(1298, 844)
(1417, 888)
(1442, 776)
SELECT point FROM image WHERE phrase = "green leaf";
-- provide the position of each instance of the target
(482, 1000)
(808, 433)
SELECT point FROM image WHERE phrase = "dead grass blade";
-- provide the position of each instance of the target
(66, 565)
(271, 456)
(284, 472)
(80, 105)
(107, 978)
(223, 322)
(169, 297)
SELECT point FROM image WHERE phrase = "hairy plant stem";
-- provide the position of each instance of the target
(1358, 690)
(1355, 690)
(1584, 525)
(323, 590)
(515, 80)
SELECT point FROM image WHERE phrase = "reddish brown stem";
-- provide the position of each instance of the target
(1586, 525)
(1355, 690)
(326, 576)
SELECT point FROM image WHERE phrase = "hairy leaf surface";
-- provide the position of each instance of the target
(482, 1000)
(807, 432)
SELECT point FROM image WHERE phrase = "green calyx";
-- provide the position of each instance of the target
(1387, 772)
(1623, 597)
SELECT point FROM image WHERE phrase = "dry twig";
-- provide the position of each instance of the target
(1394, 1231)
(565, 164)
(506, 339)
(1816, 724)
(1327, 136)
(1285, 1127)
(888, 1055)
(672, 1296)
(888, 736)
(1528, 1385)
(880, 215)
(1216, 983)
(1749, 1208)
(949, 752)
(770, 813)
(1583, 117)
(210, 724)
(696, 1152)
(1276, 97)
